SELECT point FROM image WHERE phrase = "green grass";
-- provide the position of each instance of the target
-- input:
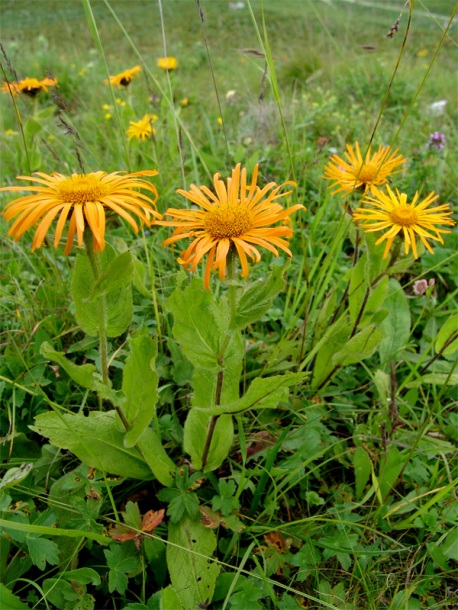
(341, 495)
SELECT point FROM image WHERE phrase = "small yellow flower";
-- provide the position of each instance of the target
(82, 72)
(142, 129)
(219, 120)
(354, 173)
(11, 132)
(108, 116)
(184, 102)
(106, 107)
(393, 212)
(120, 102)
(422, 53)
(29, 86)
(84, 199)
(236, 217)
(167, 63)
(123, 78)
(51, 137)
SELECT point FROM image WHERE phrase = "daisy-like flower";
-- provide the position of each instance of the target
(142, 129)
(29, 86)
(82, 199)
(393, 212)
(123, 78)
(237, 217)
(356, 173)
(167, 63)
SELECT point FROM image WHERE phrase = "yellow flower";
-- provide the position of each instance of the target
(123, 78)
(167, 63)
(394, 213)
(106, 107)
(108, 116)
(354, 173)
(219, 120)
(83, 199)
(422, 53)
(142, 129)
(11, 132)
(29, 86)
(120, 102)
(234, 218)
(184, 102)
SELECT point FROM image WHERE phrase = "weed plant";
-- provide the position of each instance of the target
(188, 437)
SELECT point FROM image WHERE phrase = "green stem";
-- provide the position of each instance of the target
(101, 304)
(232, 294)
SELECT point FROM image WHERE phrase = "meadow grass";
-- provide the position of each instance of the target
(340, 494)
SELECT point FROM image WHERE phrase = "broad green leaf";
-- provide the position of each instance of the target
(116, 276)
(390, 468)
(191, 570)
(169, 599)
(13, 476)
(82, 374)
(9, 601)
(257, 299)
(263, 393)
(42, 551)
(195, 434)
(122, 565)
(95, 440)
(118, 303)
(83, 576)
(156, 457)
(447, 333)
(449, 546)
(32, 127)
(362, 468)
(396, 326)
(139, 384)
(359, 347)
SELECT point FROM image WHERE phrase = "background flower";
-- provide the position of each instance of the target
(167, 63)
(123, 78)
(29, 86)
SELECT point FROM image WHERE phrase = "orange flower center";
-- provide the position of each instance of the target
(368, 173)
(229, 220)
(81, 189)
(405, 216)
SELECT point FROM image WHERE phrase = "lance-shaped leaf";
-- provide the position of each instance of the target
(139, 384)
(396, 326)
(196, 430)
(118, 302)
(359, 347)
(95, 440)
(82, 374)
(263, 393)
(156, 457)
(192, 572)
(257, 299)
(448, 337)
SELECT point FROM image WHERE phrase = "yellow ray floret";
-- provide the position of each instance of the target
(29, 86)
(391, 211)
(167, 63)
(237, 216)
(355, 173)
(123, 78)
(82, 199)
(142, 129)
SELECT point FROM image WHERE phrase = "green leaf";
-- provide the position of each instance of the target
(170, 599)
(32, 127)
(139, 384)
(396, 326)
(156, 457)
(447, 333)
(435, 379)
(83, 576)
(359, 347)
(95, 440)
(116, 276)
(132, 516)
(10, 601)
(390, 468)
(362, 467)
(82, 374)
(13, 476)
(257, 298)
(42, 551)
(118, 303)
(191, 570)
(333, 339)
(122, 565)
(263, 393)
(195, 434)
